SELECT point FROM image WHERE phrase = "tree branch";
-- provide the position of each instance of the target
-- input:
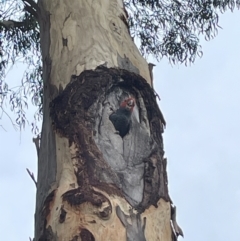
(36, 141)
(11, 24)
(32, 176)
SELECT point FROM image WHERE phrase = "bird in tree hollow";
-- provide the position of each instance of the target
(121, 118)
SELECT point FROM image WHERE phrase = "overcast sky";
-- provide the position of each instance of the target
(202, 144)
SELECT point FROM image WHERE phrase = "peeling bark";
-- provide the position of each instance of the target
(91, 181)
(133, 224)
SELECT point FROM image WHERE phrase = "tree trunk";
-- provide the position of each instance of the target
(93, 184)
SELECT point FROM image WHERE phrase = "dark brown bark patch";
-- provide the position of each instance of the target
(105, 213)
(62, 215)
(48, 235)
(79, 195)
(76, 115)
(75, 238)
(86, 235)
(47, 207)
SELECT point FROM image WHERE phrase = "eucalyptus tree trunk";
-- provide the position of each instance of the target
(93, 184)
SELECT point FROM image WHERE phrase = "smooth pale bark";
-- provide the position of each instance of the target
(92, 184)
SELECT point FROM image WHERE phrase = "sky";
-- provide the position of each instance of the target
(201, 105)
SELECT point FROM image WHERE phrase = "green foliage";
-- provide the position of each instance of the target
(165, 28)
(171, 28)
(19, 42)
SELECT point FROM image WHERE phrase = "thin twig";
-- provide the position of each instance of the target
(32, 176)
(14, 125)
(156, 94)
(3, 128)
(11, 24)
